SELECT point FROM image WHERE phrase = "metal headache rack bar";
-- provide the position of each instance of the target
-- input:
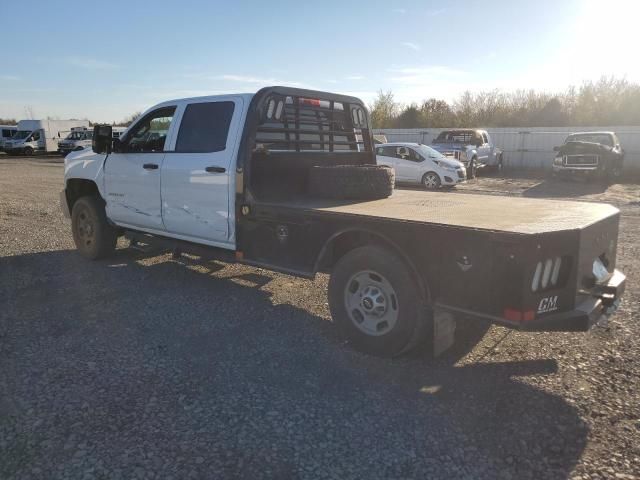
(299, 114)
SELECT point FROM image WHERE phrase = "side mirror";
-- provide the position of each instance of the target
(556, 149)
(102, 139)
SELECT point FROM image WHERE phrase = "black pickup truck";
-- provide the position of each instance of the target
(229, 176)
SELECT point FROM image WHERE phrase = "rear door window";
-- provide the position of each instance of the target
(386, 151)
(205, 127)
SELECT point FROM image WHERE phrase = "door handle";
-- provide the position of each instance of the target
(150, 166)
(215, 169)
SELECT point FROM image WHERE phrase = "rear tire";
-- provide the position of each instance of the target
(93, 235)
(377, 303)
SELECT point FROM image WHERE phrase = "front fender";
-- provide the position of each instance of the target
(85, 165)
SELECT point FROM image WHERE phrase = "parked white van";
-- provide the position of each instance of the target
(6, 132)
(40, 136)
(419, 164)
(78, 139)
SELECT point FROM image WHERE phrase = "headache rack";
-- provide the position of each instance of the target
(296, 123)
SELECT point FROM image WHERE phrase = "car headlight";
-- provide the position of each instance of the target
(558, 160)
(446, 166)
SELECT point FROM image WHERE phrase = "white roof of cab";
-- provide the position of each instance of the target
(208, 98)
(399, 144)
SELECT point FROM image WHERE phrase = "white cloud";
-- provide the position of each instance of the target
(91, 63)
(401, 11)
(423, 74)
(437, 11)
(354, 77)
(9, 78)
(243, 79)
(412, 46)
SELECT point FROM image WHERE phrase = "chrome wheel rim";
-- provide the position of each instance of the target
(371, 303)
(86, 228)
(430, 180)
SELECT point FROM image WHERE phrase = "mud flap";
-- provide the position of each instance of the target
(444, 330)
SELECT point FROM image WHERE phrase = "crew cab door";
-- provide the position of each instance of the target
(484, 150)
(196, 175)
(132, 174)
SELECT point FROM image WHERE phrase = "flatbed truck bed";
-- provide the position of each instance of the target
(478, 212)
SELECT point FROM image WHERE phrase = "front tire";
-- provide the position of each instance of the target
(28, 151)
(431, 181)
(376, 302)
(93, 235)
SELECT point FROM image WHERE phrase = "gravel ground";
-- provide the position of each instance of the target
(146, 367)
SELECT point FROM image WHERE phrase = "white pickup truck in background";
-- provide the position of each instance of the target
(473, 147)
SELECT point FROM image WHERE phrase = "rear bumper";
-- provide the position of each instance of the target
(594, 309)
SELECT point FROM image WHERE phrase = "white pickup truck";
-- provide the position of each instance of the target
(236, 177)
(473, 147)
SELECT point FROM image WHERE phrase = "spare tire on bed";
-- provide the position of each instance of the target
(364, 182)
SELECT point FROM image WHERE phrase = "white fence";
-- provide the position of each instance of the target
(529, 148)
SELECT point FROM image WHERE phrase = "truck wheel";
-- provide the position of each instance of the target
(365, 182)
(376, 302)
(28, 151)
(615, 174)
(92, 234)
(472, 170)
(431, 181)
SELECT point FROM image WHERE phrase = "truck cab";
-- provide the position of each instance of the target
(236, 177)
(25, 142)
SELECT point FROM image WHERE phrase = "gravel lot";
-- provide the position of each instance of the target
(146, 367)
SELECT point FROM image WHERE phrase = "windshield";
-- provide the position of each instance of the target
(21, 134)
(429, 152)
(75, 136)
(602, 138)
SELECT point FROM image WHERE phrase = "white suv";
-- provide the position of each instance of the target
(417, 163)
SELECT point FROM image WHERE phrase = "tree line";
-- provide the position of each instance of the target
(608, 101)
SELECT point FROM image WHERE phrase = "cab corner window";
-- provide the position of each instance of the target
(150, 134)
(205, 127)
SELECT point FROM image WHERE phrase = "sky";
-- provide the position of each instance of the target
(104, 61)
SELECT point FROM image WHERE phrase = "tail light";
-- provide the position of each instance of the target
(546, 274)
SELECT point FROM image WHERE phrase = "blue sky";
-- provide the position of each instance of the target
(74, 59)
